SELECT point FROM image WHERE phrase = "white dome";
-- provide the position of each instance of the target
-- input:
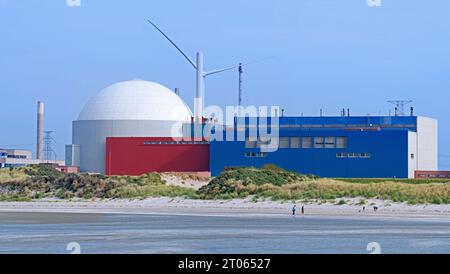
(136, 100)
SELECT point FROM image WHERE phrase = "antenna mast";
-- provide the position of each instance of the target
(241, 71)
(400, 106)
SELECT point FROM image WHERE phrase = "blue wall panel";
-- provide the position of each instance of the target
(388, 155)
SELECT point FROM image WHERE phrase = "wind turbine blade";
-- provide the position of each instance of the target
(175, 45)
(220, 70)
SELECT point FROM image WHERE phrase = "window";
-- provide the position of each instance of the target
(353, 155)
(295, 142)
(250, 144)
(265, 143)
(330, 142)
(250, 154)
(255, 154)
(341, 142)
(262, 154)
(319, 142)
(284, 142)
(307, 142)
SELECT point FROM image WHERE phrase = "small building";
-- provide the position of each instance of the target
(20, 157)
(424, 174)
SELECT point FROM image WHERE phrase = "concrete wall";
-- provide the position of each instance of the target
(73, 155)
(91, 137)
(413, 154)
(427, 144)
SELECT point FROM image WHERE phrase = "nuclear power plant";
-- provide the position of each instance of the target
(136, 127)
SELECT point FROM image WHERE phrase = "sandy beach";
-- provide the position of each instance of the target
(236, 207)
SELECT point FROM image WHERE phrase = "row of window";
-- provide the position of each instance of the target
(255, 154)
(17, 156)
(353, 155)
(303, 142)
(175, 143)
(338, 155)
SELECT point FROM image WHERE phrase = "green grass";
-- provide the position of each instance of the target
(14, 198)
(383, 180)
(37, 182)
(12, 176)
(285, 185)
(269, 182)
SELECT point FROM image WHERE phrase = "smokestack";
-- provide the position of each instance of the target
(40, 129)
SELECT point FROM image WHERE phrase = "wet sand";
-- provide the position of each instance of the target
(238, 207)
(43, 233)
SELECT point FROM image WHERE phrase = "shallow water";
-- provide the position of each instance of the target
(113, 233)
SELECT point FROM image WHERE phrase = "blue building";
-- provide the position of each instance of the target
(347, 147)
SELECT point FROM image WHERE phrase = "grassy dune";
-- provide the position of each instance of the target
(269, 182)
(242, 182)
(38, 182)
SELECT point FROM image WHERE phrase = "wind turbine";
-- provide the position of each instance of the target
(201, 75)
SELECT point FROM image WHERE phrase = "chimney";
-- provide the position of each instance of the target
(40, 129)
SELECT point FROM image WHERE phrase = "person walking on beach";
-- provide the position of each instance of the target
(303, 210)
(294, 208)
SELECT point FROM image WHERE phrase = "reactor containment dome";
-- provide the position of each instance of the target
(133, 108)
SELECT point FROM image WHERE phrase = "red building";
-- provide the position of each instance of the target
(419, 174)
(137, 156)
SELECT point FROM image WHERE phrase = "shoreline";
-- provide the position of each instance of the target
(230, 208)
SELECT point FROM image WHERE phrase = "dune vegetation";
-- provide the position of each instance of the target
(36, 182)
(278, 184)
(268, 182)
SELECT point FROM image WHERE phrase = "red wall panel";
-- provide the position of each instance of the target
(419, 174)
(137, 156)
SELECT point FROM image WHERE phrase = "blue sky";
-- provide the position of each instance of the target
(328, 54)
